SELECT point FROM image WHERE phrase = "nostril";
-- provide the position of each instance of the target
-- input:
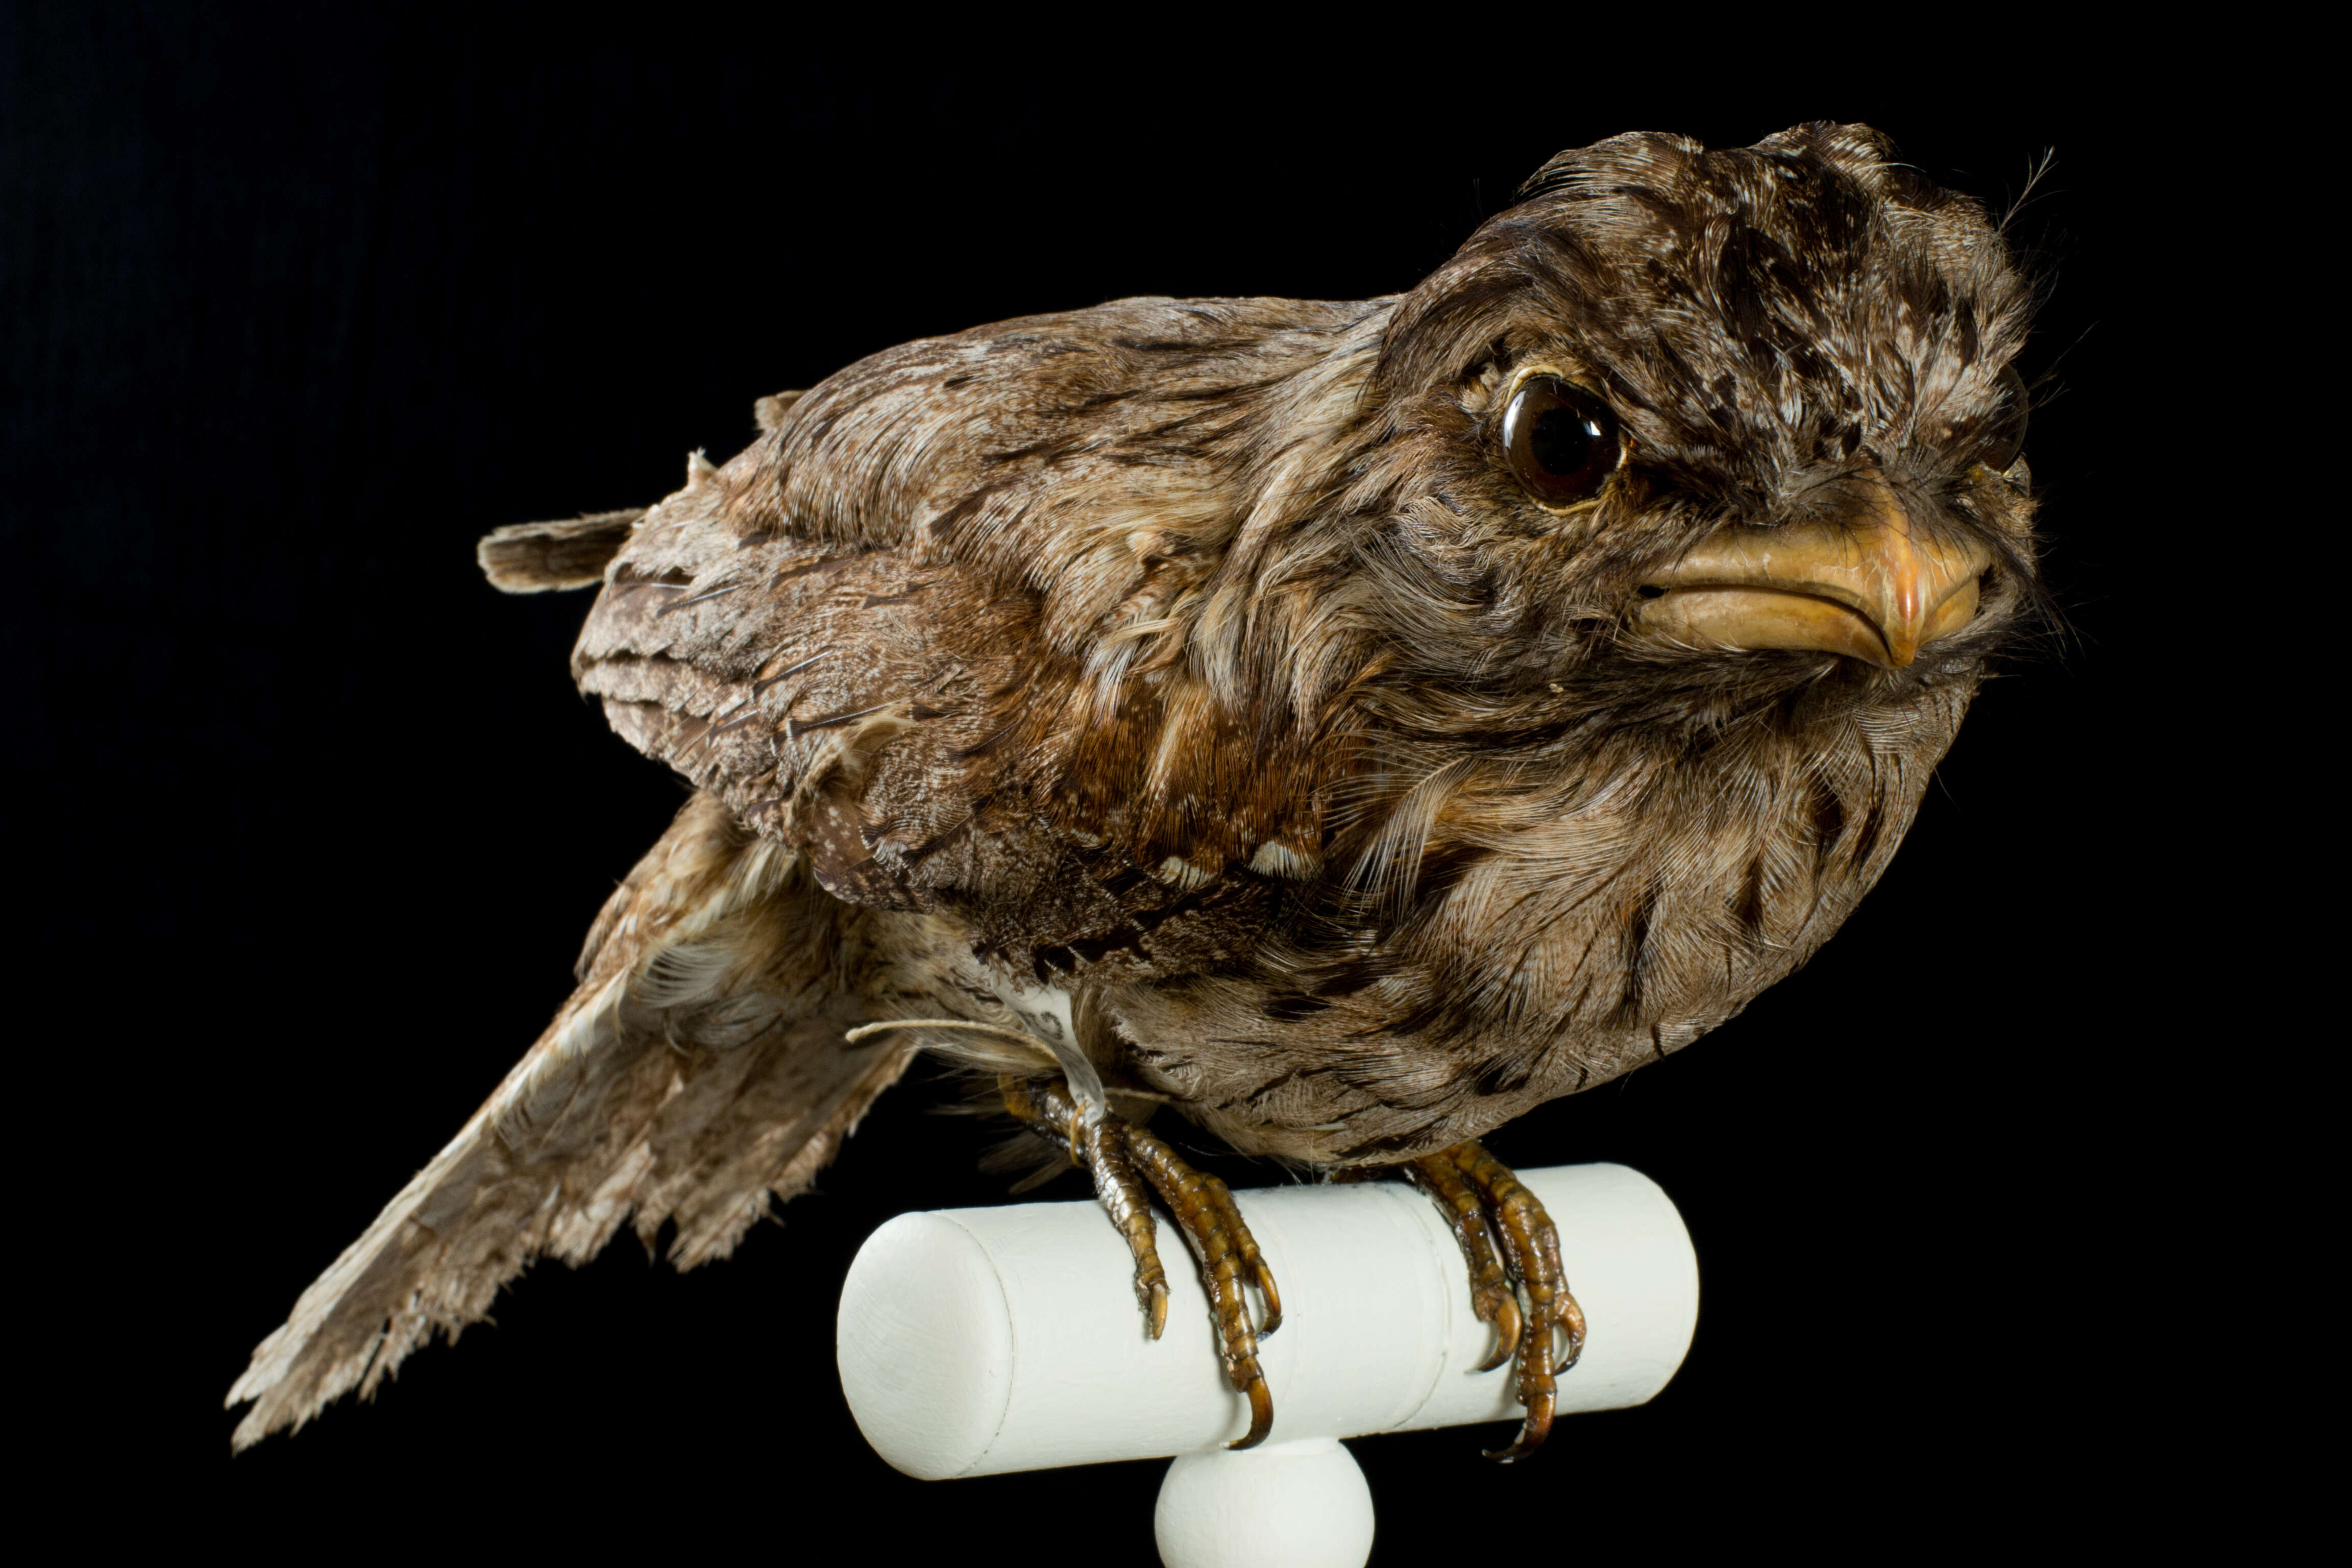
(1650, 591)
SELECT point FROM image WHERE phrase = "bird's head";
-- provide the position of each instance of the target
(1688, 430)
(1676, 518)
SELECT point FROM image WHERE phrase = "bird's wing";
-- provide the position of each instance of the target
(961, 627)
(698, 1071)
(845, 704)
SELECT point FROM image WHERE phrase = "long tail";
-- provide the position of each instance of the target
(697, 1073)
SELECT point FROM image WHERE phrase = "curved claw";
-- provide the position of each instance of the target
(1571, 1322)
(1154, 1302)
(1493, 1298)
(1123, 1158)
(1264, 1278)
(1261, 1403)
(1532, 1432)
(1218, 1199)
(1506, 1319)
(1489, 1207)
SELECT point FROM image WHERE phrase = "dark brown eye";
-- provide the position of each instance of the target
(1559, 440)
(2004, 434)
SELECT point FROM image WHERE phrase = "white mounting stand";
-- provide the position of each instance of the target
(976, 1342)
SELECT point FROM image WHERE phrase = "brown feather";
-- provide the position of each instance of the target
(572, 553)
(1193, 683)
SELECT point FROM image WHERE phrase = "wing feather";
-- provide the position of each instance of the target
(696, 1075)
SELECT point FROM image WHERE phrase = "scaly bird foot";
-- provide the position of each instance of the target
(1480, 1196)
(1124, 1159)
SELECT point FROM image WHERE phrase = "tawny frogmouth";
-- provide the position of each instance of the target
(1345, 725)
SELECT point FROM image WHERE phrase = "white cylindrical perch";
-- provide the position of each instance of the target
(974, 1342)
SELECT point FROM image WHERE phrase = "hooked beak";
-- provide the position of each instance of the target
(1870, 587)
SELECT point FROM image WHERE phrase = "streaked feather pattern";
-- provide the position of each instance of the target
(1188, 683)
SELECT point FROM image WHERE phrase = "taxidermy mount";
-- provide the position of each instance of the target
(1344, 726)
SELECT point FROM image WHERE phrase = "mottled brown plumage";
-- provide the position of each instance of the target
(1200, 689)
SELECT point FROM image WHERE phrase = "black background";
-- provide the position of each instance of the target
(311, 821)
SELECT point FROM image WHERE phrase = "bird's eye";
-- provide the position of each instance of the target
(1560, 440)
(2003, 435)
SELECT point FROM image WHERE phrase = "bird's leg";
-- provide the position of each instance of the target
(1481, 1196)
(1124, 1158)
(1050, 1109)
(1493, 1296)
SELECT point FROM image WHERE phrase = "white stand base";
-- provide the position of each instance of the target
(975, 1341)
(1302, 1505)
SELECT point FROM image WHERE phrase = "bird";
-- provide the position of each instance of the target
(1340, 726)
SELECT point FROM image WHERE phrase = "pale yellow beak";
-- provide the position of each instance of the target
(1871, 587)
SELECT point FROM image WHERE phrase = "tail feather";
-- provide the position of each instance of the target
(696, 1075)
(570, 553)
